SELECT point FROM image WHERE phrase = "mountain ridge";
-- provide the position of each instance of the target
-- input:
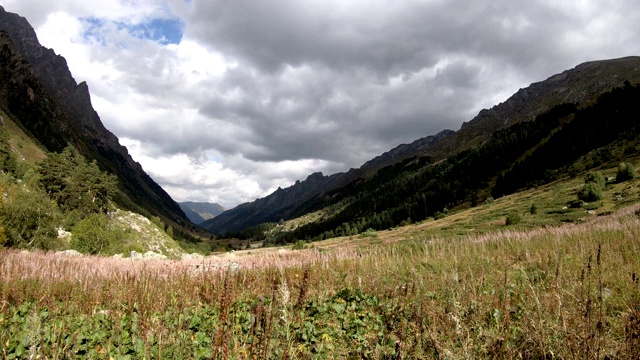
(72, 119)
(579, 85)
(198, 212)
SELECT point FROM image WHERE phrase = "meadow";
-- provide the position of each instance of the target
(562, 283)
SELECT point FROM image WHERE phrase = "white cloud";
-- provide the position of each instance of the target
(257, 95)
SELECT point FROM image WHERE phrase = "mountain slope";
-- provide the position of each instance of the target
(60, 113)
(565, 141)
(198, 212)
(580, 86)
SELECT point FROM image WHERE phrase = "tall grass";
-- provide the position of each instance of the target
(561, 292)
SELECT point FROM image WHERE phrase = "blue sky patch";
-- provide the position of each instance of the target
(164, 31)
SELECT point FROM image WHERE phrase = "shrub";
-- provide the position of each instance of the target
(596, 178)
(29, 218)
(369, 233)
(94, 235)
(512, 219)
(590, 192)
(299, 245)
(626, 171)
(3, 237)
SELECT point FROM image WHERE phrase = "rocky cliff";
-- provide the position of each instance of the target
(59, 112)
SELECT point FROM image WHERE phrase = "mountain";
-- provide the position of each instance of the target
(310, 194)
(43, 95)
(580, 86)
(282, 204)
(198, 212)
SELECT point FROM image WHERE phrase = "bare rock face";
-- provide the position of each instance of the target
(65, 115)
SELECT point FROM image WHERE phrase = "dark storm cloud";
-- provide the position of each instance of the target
(344, 81)
(277, 89)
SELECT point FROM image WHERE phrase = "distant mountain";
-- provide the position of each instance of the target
(312, 193)
(198, 212)
(580, 86)
(39, 90)
(282, 204)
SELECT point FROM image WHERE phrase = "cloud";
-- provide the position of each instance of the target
(227, 100)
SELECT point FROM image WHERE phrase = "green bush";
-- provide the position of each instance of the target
(590, 192)
(596, 178)
(512, 219)
(95, 235)
(369, 233)
(29, 218)
(626, 171)
(299, 245)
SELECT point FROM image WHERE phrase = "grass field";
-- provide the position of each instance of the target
(562, 283)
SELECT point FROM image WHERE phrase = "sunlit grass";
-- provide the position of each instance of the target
(562, 283)
(568, 291)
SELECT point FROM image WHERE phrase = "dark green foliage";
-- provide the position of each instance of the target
(626, 172)
(29, 218)
(616, 114)
(594, 183)
(257, 233)
(76, 184)
(299, 245)
(94, 235)
(533, 209)
(512, 219)
(417, 188)
(590, 192)
(8, 162)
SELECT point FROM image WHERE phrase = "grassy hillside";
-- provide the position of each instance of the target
(561, 283)
(21, 143)
(60, 201)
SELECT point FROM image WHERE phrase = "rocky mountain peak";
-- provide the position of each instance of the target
(66, 116)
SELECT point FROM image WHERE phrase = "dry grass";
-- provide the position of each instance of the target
(560, 292)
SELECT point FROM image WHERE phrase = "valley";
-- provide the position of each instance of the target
(562, 281)
(515, 236)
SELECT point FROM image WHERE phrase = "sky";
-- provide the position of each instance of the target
(226, 100)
